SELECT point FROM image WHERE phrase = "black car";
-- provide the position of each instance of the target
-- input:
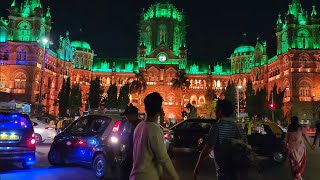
(93, 140)
(189, 134)
(267, 139)
(17, 143)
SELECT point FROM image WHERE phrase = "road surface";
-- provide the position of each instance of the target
(183, 162)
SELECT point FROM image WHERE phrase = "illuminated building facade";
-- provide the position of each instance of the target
(161, 53)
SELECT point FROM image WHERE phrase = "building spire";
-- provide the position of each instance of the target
(13, 4)
(314, 11)
(48, 14)
(279, 21)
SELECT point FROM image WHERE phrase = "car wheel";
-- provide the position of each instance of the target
(38, 138)
(100, 166)
(279, 157)
(26, 166)
(55, 158)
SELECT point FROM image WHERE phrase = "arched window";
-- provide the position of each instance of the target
(24, 31)
(202, 100)
(20, 81)
(22, 53)
(2, 81)
(303, 39)
(194, 100)
(162, 33)
(304, 89)
(171, 98)
(284, 43)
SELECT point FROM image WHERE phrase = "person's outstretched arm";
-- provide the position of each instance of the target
(159, 149)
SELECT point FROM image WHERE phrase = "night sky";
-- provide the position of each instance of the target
(215, 28)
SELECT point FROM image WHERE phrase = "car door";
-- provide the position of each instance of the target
(74, 139)
(190, 133)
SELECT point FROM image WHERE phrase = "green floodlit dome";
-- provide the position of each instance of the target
(80, 45)
(244, 49)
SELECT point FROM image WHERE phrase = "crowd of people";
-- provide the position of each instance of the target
(147, 157)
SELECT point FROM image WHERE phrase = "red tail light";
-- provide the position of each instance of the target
(166, 136)
(33, 141)
(116, 127)
(49, 128)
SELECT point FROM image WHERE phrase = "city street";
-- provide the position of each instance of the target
(183, 162)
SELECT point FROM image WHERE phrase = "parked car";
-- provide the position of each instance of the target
(93, 140)
(43, 132)
(17, 143)
(189, 134)
(266, 139)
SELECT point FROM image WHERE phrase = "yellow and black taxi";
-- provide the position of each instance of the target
(17, 142)
(266, 139)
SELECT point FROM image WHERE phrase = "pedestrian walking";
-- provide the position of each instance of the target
(220, 140)
(296, 148)
(150, 158)
(317, 135)
(131, 116)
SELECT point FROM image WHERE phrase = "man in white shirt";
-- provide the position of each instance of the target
(150, 157)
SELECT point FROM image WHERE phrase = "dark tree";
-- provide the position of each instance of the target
(112, 100)
(211, 95)
(230, 93)
(63, 98)
(95, 93)
(250, 98)
(260, 103)
(67, 93)
(75, 100)
(181, 83)
(138, 85)
(123, 99)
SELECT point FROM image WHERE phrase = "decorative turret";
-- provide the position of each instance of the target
(142, 50)
(48, 16)
(13, 8)
(314, 18)
(279, 23)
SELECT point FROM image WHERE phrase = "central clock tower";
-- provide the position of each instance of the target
(162, 36)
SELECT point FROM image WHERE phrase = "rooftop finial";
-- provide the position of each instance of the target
(244, 38)
(279, 21)
(48, 14)
(13, 4)
(314, 11)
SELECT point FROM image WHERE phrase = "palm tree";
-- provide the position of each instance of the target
(181, 82)
(138, 85)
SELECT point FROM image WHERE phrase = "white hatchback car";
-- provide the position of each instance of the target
(43, 132)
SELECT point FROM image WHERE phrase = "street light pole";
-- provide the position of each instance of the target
(238, 98)
(44, 42)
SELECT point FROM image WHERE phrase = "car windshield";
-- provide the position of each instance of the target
(14, 121)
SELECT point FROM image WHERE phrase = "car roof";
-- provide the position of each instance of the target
(274, 126)
(212, 121)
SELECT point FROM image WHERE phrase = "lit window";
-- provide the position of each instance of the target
(20, 81)
(2, 81)
(24, 30)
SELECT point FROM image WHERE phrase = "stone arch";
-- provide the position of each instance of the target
(13, 75)
(194, 99)
(202, 100)
(24, 31)
(171, 98)
(20, 79)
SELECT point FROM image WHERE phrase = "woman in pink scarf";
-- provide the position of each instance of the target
(296, 148)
